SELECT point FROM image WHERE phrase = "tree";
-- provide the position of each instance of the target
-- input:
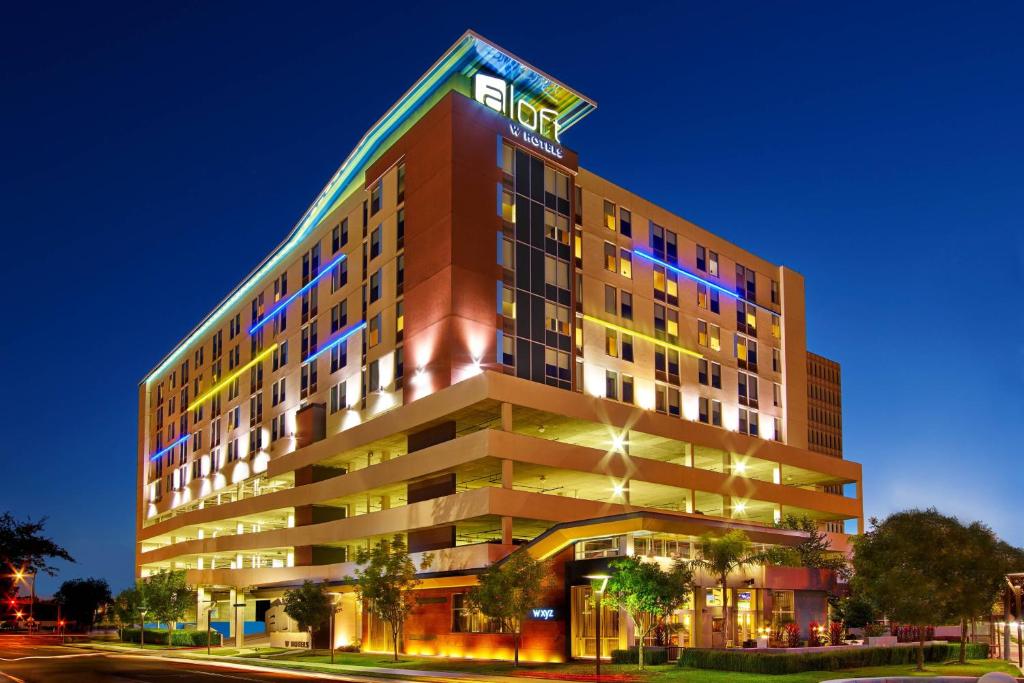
(721, 555)
(647, 593)
(309, 605)
(24, 547)
(856, 612)
(508, 590)
(128, 605)
(982, 563)
(80, 598)
(904, 566)
(166, 596)
(385, 582)
(814, 552)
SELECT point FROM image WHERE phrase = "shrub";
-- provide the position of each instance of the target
(177, 638)
(789, 635)
(652, 656)
(828, 660)
(836, 631)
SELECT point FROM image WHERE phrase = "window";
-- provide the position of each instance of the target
(746, 389)
(375, 331)
(375, 242)
(339, 356)
(716, 375)
(712, 262)
(777, 395)
(716, 413)
(715, 305)
(400, 197)
(508, 302)
(339, 276)
(611, 342)
(609, 215)
(666, 286)
(400, 229)
(746, 318)
(702, 333)
(625, 263)
(376, 196)
(610, 304)
(339, 236)
(280, 358)
(278, 392)
(746, 353)
(339, 315)
(556, 318)
(776, 299)
(374, 375)
(611, 384)
(467, 620)
(626, 347)
(776, 326)
(609, 257)
(375, 289)
(702, 371)
(627, 389)
(399, 321)
(716, 337)
(307, 383)
(626, 301)
(339, 397)
(702, 296)
(748, 422)
(746, 283)
(702, 258)
(625, 222)
(778, 428)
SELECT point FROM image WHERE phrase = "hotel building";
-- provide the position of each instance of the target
(470, 340)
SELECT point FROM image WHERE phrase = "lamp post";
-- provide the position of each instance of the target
(598, 583)
(1017, 591)
(209, 615)
(335, 608)
(142, 628)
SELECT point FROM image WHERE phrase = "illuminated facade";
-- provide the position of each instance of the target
(472, 341)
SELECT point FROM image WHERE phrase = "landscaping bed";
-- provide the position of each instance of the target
(826, 659)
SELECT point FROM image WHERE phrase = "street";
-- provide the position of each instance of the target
(41, 659)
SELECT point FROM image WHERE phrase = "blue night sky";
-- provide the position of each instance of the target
(154, 152)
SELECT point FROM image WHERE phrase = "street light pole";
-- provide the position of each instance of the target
(142, 629)
(598, 583)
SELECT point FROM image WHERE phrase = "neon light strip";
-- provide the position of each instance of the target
(467, 55)
(179, 441)
(232, 377)
(309, 285)
(342, 337)
(718, 288)
(641, 335)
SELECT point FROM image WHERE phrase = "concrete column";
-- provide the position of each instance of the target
(507, 474)
(688, 455)
(202, 615)
(232, 599)
(697, 628)
(506, 417)
(506, 530)
(692, 501)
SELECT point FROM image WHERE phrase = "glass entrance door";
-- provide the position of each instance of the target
(584, 625)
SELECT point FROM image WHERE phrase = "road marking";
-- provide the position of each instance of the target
(12, 678)
(18, 659)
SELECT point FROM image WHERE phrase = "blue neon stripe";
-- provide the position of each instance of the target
(718, 288)
(342, 337)
(159, 453)
(281, 306)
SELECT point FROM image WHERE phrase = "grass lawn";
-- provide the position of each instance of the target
(668, 673)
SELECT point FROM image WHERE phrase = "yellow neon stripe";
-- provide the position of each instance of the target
(641, 335)
(232, 377)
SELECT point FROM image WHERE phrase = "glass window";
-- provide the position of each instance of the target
(609, 215)
(625, 222)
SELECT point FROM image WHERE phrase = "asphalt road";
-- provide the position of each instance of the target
(41, 659)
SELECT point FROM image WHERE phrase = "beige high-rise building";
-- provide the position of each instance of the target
(470, 341)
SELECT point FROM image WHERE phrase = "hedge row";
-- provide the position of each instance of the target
(828, 659)
(652, 655)
(178, 638)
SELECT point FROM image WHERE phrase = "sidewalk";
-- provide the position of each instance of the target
(367, 673)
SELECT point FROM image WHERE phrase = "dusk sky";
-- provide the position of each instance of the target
(153, 153)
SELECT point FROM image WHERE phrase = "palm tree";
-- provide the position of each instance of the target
(720, 556)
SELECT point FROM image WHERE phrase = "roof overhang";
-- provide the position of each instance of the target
(470, 54)
(562, 535)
